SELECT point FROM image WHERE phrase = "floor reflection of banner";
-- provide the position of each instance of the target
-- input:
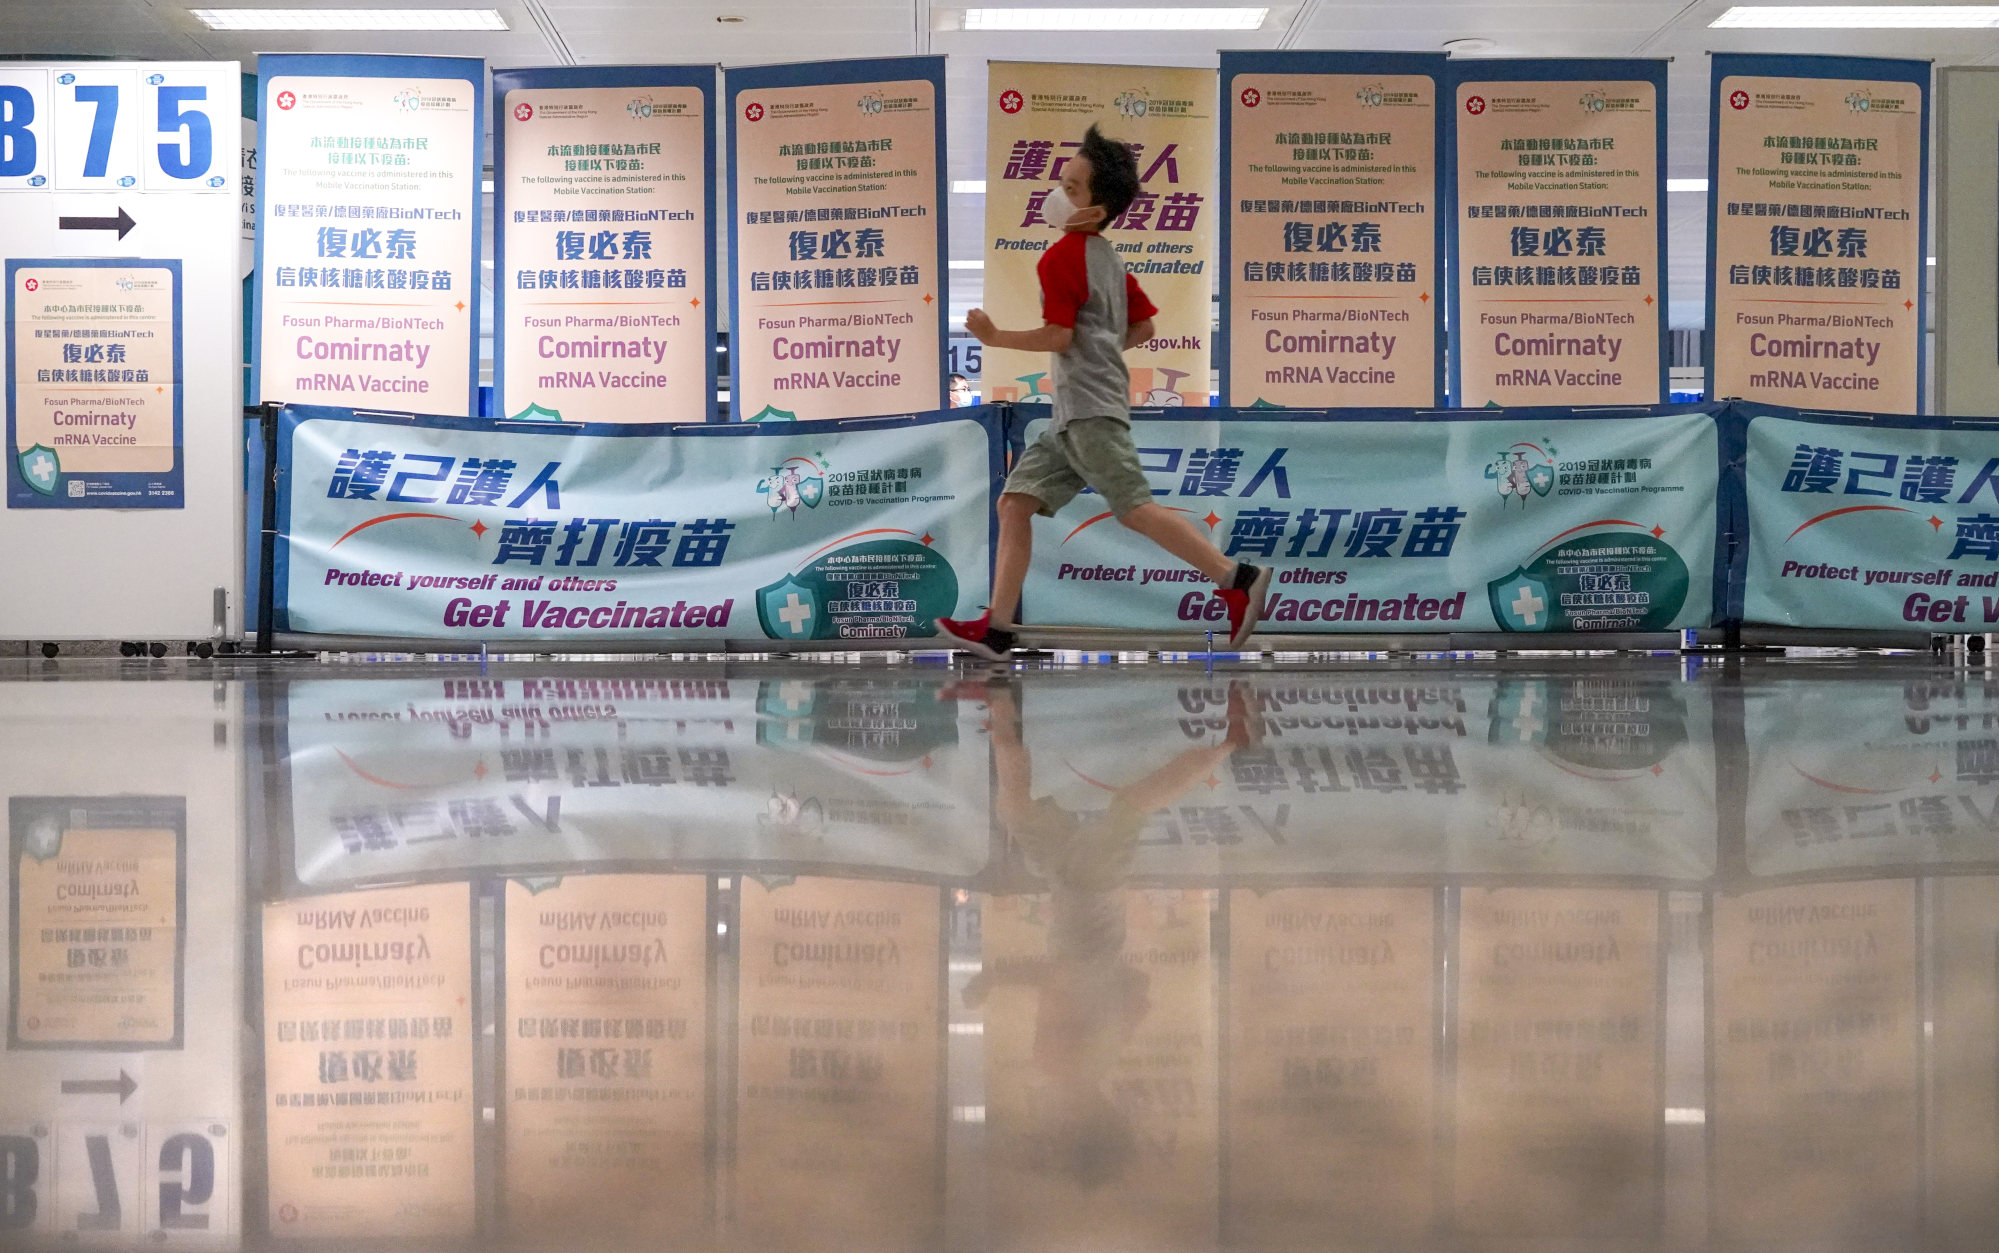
(839, 1119)
(604, 1039)
(1605, 775)
(1815, 1119)
(1871, 773)
(1558, 1062)
(392, 779)
(1331, 1092)
(1100, 1038)
(368, 1064)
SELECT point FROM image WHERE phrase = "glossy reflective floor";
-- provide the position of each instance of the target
(1572, 954)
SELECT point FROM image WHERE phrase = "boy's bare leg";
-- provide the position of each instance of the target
(1172, 531)
(1016, 545)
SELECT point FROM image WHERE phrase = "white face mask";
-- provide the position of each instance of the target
(1056, 209)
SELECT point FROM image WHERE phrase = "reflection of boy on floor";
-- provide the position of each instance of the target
(1089, 1001)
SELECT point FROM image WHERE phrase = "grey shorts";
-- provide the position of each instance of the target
(1088, 452)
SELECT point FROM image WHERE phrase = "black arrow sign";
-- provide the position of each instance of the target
(124, 1085)
(122, 223)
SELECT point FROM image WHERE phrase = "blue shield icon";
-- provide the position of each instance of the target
(811, 491)
(1522, 602)
(40, 467)
(1520, 713)
(788, 610)
(1540, 478)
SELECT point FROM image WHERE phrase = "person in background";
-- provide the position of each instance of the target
(961, 392)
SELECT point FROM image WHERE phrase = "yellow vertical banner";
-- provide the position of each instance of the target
(1558, 1062)
(1559, 233)
(1035, 119)
(836, 238)
(839, 1065)
(1332, 250)
(1101, 1078)
(604, 1031)
(1815, 1117)
(1818, 177)
(368, 1064)
(1332, 1064)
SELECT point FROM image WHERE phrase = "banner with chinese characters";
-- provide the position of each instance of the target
(1558, 1048)
(1558, 233)
(1035, 119)
(398, 780)
(1527, 523)
(604, 1067)
(837, 238)
(1815, 1117)
(94, 401)
(1871, 522)
(1332, 1070)
(1818, 206)
(443, 527)
(1332, 230)
(368, 1065)
(603, 182)
(839, 1064)
(368, 231)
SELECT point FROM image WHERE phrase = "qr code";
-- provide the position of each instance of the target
(75, 489)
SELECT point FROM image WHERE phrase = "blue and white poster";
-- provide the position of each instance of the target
(368, 223)
(603, 205)
(435, 528)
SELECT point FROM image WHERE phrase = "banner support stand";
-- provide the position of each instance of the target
(268, 544)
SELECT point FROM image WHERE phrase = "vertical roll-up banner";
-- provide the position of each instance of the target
(1035, 119)
(368, 232)
(603, 226)
(1558, 232)
(1818, 202)
(1332, 230)
(836, 238)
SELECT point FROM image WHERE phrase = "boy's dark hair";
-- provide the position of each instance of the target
(1113, 173)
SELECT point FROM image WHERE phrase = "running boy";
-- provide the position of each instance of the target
(1093, 312)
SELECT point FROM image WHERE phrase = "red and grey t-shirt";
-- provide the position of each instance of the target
(1084, 286)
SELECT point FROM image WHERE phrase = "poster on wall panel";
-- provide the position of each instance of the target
(1558, 1062)
(1332, 1071)
(1101, 1049)
(1815, 1118)
(1514, 524)
(94, 397)
(604, 1066)
(485, 530)
(1036, 115)
(839, 1064)
(368, 221)
(1332, 230)
(1558, 233)
(603, 193)
(370, 1103)
(1818, 203)
(776, 776)
(836, 239)
(1871, 522)
(117, 176)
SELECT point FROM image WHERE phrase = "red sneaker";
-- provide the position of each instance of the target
(977, 636)
(1245, 603)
